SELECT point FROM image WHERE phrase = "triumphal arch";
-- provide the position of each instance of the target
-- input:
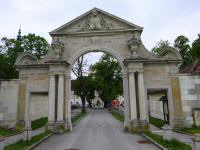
(97, 30)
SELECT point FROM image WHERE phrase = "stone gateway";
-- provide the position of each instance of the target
(97, 30)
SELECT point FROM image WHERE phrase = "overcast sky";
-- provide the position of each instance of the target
(161, 19)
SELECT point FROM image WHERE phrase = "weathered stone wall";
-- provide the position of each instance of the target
(190, 95)
(39, 105)
(156, 76)
(156, 106)
(8, 102)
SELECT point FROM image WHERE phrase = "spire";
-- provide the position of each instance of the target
(19, 37)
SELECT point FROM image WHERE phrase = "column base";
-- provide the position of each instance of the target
(179, 123)
(20, 124)
(138, 126)
(58, 127)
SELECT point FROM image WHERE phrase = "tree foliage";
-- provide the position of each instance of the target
(161, 45)
(195, 51)
(11, 48)
(182, 44)
(84, 87)
(108, 77)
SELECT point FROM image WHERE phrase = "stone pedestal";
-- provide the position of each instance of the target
(196, 141)
(168, 134)
(138, 126)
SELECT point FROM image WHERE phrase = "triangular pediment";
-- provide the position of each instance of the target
(95, 20)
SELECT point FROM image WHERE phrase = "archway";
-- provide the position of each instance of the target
(111, 34)
(113, 55)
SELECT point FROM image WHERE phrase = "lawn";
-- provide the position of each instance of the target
(156, 122)
(170, 145)
(39, 123)
(77, 117)
(192, 130)
(22, 145)
(5, 132)
(117, 116)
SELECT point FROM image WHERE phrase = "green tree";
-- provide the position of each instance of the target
(196, 48)
(108, 77)
(84, 87)
(161, 45)
(182, 44)
(11, 48)
(35, 44)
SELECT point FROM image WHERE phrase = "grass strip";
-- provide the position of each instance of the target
(156, 122)
(77, 117)
(192, 130)
(39, 123)
(23, 145)
(170, 145)
(6, 132)
(117, 116)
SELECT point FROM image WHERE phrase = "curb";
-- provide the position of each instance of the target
(182, 132)
(154, 142)
(73, 124)
(46, 137)
(40, 141)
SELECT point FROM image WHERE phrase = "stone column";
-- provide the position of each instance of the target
(142, 103)
(27, 111)
(177, 104)
(132, 96)
(60, 107)
(126, 101)
(67, 102)
(51, 111)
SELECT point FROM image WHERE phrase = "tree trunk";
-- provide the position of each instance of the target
(83, 109)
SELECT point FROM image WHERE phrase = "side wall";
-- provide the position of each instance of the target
(190, 95)
(8, 102)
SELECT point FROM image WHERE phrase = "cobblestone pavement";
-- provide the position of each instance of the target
(98, 131)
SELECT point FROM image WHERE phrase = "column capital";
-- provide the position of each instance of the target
(131, 73)
(140, 71)
(51, 74)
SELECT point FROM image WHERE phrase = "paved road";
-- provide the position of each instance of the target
(98, 131)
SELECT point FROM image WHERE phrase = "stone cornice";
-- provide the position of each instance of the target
(94, 33)
(151, 61)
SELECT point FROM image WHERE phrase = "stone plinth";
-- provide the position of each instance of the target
(59, 126)
(138, 126)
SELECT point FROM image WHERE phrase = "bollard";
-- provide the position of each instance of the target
(27, 134)
(168, 134)
(196, 141)
(2, 144)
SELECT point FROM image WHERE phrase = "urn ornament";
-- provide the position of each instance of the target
(58, 48)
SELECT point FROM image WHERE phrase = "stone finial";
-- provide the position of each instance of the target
(58, 48)
(133, 45)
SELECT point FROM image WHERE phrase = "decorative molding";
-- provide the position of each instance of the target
(26, 58)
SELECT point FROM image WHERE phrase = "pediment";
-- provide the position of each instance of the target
(26, 58)
(95, 20)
